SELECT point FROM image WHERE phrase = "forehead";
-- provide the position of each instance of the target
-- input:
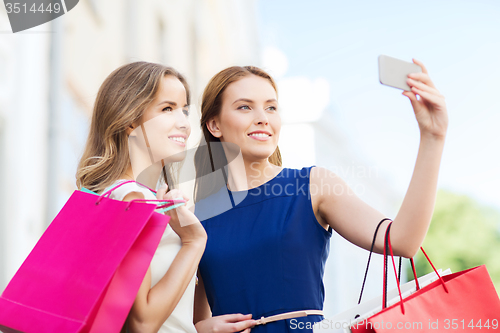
(171, 87)
(252, 87)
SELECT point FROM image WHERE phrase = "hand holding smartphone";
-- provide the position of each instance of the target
(394, 72)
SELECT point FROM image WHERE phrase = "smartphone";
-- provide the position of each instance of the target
(393, 72)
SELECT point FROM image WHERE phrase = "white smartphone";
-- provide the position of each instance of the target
(393, 72)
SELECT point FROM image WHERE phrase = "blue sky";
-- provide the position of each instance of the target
(458, 41)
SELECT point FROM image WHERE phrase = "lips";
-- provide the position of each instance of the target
(260, 135)
(179, 139)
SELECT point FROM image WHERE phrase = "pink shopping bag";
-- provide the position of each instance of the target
(85, 271)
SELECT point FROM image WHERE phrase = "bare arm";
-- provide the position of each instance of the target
(414, 217)
(201, 306)
(153, 306)
(355, 220)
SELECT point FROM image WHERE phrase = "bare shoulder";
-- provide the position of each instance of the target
(321, 175)
(322, 183)
(133, 195)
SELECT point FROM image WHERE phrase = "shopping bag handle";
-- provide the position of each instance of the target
(108, 192)
(165, 203)
(388, 246)
(369, 258)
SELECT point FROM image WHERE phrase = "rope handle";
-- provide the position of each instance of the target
(370, 256)
(108, 192)
(166, 204)
(389, 246)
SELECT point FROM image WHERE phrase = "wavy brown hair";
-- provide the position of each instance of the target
(211, 157)
(121, 101)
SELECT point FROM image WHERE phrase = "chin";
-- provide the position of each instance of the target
(176, 154)
(260, 154)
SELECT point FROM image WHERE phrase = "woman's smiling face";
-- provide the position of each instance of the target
(166, 120)
(249, 117)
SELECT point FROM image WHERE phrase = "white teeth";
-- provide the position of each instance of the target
(178, 138)
(260, 135)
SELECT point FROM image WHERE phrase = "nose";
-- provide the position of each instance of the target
(181, 121)
(261, 117)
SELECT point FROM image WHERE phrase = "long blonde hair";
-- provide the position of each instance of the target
(212, 157)
(121, 101)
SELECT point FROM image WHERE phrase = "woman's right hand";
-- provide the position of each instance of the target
(185, 224)
(226, 324)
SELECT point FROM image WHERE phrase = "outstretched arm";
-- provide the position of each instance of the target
(355, 220)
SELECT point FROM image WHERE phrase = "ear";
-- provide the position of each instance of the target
(213, 127)
(130, 130)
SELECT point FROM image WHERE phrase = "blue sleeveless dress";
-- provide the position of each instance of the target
(265, 252)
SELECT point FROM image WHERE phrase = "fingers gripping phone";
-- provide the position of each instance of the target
(393, 72)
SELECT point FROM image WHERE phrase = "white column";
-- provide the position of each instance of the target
(25, 148)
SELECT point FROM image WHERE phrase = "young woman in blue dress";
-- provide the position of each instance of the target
(265, 254)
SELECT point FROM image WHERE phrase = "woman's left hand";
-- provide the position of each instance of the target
(182, 220)
(430, 108)
(229, 323)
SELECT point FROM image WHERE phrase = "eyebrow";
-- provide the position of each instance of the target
(171, 103)
(250, 101)
(168, 102)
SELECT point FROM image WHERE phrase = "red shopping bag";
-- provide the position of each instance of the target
(462, 302)
(85, 271)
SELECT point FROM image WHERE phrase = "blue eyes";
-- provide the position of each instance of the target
(185, 111)
(246, 107)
